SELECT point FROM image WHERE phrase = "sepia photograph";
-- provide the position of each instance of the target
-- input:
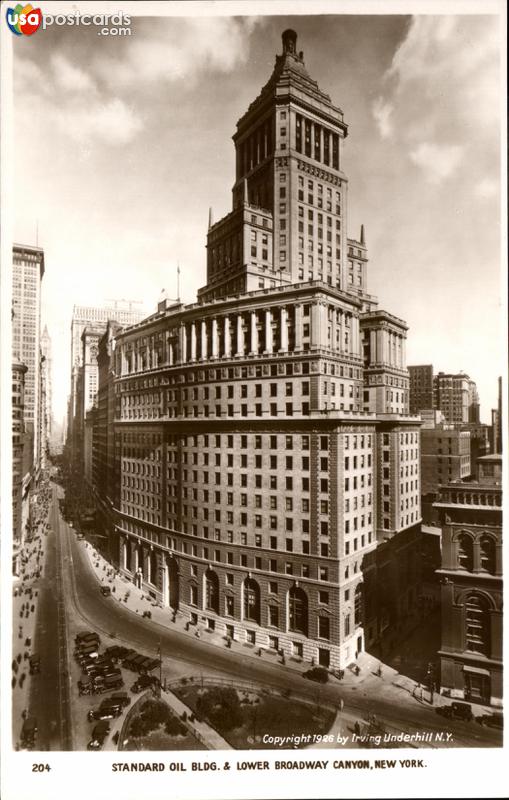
(254, 386)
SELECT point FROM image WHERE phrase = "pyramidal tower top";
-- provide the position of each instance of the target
(288, 223)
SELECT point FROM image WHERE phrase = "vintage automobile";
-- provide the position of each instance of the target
(119, 697)
(116, 652)
(85, 638)
(29, 733)
(144, 682)
(457, 711)
(35, 664)
(99, 734)
(106, 684)
(495, 720)
(105, 711)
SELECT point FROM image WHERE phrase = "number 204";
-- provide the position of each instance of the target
(41, 768)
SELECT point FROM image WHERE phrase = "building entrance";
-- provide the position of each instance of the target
(477, 687)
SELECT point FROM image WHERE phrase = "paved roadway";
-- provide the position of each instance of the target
(107, 616)
(49, 698)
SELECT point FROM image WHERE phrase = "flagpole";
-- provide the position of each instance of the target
(178, 281)
(160, 668)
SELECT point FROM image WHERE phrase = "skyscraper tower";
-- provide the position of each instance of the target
(27, 274)
(267, 490)
(45, 412)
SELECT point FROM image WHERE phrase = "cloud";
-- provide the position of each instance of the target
(179, 49)
(487, 187)
(382, 113)
(112, 122)
(67, 76)
(441, 96)
(437, 161)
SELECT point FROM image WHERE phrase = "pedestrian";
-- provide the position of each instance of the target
(341, 704)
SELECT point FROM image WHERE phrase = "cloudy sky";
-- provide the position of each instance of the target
(126, 143)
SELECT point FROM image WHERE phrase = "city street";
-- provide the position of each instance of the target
(87, 608)
(48, 697)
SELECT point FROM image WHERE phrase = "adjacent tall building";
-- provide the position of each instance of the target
(84, 365)
(421, 388)
(19, 482)
(27, 275)
(263, 448)
(457, 397)
(471, 572)
(496, 423)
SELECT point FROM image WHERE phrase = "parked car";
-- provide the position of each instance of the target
(109, 711)
(144, 682)
(83, 636)
(457, 711)
(120, 697)
(99, 734)
(116, 652)
(495, 720)
(85, 686)
(35, 664)
(87, 649)
(137, 663)
(95, 667)
(318, 674)
(128, 659)
(106, 684)
(106, 590)
(149, 664)
(29, 733)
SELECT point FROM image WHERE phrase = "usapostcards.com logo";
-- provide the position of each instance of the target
(27, 20)
(24, 20)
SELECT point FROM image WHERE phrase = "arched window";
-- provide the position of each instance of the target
(477, 622)
(465, 552)
(251, 600)
(211, 591)
(359, 604)
(487, 554)
(298, 616)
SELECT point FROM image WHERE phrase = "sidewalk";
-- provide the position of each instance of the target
(24, 616)
(390, 684)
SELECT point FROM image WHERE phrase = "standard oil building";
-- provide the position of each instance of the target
(263, 445)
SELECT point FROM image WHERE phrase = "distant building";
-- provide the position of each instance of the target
(105, 461)
(431, 418)
(19, 515)
(456, 396)
(126, 312)
(445, 456)
(479, 441)
(496, 423)
(86, 395)
(27, 275)
(471, 572)
(421, 387)
(45, 406)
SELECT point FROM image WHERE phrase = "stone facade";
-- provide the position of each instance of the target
(253, 487)
(471, 572)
